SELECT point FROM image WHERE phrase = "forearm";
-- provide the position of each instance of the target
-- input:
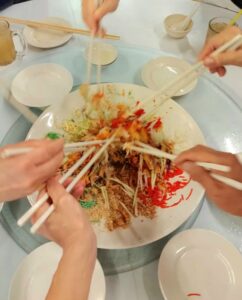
(74, 274)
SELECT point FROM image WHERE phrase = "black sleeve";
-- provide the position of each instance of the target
(238, 3)
(6, 3)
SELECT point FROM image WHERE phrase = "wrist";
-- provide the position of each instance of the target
(80, 244)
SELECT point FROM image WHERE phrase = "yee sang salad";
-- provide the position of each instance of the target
(122, 184)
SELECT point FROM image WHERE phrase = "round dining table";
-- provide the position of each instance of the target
(139, 23)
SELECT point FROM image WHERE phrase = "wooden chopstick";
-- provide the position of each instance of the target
(172, 87)
(69, 147)
(229, 181)
(22, 109)
(14, 152)
(45, 197)
(209, 166)
(49, 26)
(49, 211)
(162, 154)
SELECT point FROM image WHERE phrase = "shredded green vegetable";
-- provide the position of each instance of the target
(53, 136)
(88, 204)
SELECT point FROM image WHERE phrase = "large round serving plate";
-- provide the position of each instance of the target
(178, 126)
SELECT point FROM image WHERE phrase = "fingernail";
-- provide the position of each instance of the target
(209, 61)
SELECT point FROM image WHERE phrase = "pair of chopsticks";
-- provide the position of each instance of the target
(8, 152)
(8, 97)
(84, 88)
(49, 26)
(147, 149)
(181, 81)
(69, 188)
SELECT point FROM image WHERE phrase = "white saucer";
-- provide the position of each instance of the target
(158, 72)
(199, 264)
(42, 85)
(46, 39)
(103, 54)
(34, 275)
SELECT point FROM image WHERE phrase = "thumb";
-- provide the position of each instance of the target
(199, 174)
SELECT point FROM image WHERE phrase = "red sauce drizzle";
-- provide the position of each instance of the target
(118, 121)
(156, 196)
(139, 112)
(157, 124)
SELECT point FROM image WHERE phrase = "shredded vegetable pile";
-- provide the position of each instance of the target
(122, 184)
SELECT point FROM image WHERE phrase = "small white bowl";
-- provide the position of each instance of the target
(174, 19)
(102, 54)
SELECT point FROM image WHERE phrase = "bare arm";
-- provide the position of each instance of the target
(74, 274)
(69, 227)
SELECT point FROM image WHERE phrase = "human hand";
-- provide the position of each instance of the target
(23, 174)
(69, 227)
(216, 64)
(68, 224)
(93, 15)
(224, 196)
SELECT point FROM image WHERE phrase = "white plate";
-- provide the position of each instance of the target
(158, 72)
(1, 206)
(200, 262)
(177, 125)
(102, 54)
(34, 275)
(42, 85)
(46, 39)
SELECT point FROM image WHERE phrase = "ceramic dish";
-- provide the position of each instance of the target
(177, 125)
(42, 85)
(159, 71)
(103, 54)
(45, 39)
(170, 23)
(34, 275)
(200, 264)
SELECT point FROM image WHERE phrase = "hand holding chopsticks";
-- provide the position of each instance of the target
(45, 197)
(147, 149)
(22, 174)
(181, 81)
